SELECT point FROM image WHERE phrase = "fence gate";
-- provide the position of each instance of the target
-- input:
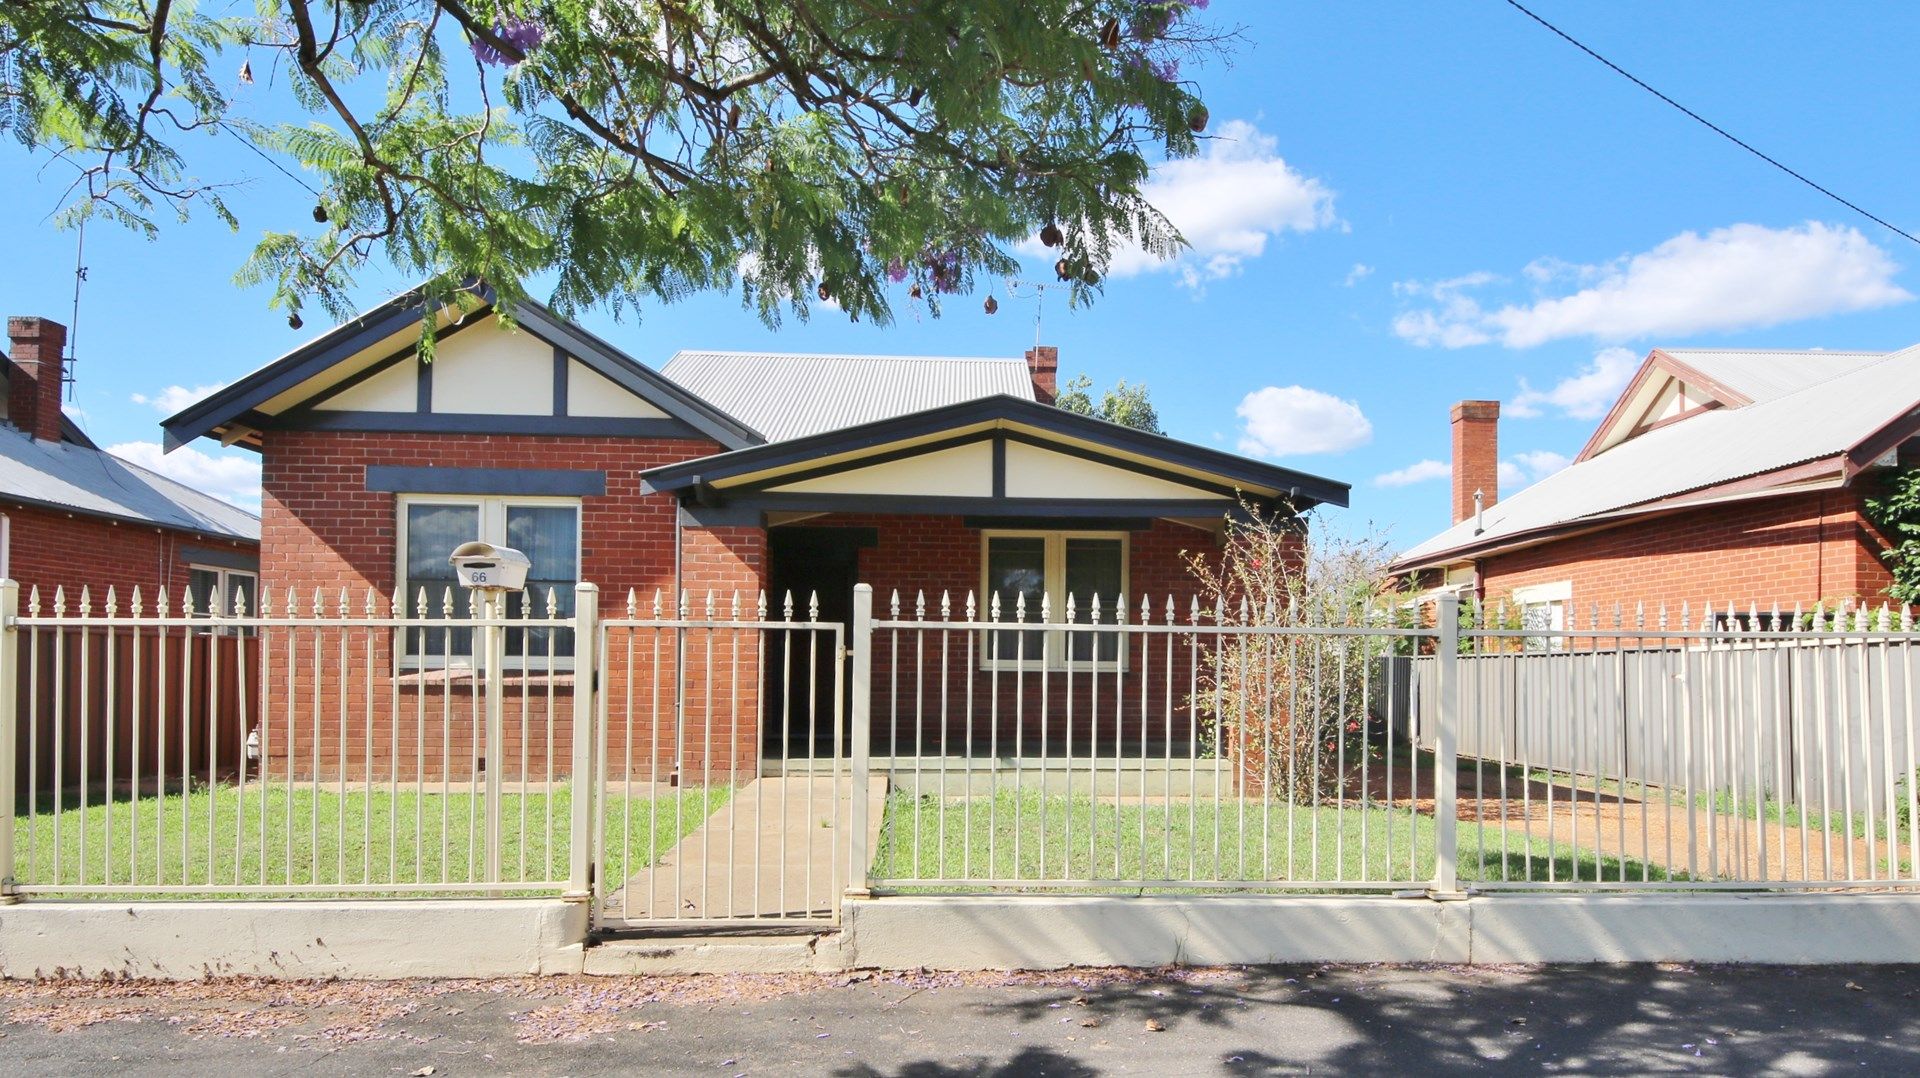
(723, 764)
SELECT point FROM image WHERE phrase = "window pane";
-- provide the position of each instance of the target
(549, 536)
(245, 587)
(432, 533)
(1016, 568)
(1094, 568)
(201, 584)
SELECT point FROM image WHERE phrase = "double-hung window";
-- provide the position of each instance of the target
(1543, 609)
(228, 588)
(1028, 566)
(546, 530)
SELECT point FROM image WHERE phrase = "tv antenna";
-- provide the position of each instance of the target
(73, 321)
(1037, 292)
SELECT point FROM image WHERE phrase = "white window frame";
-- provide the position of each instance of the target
(493, 529)
(1556, 597)
(225, 574)
(1054, 584)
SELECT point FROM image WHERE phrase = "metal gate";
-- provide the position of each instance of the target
(722, 761)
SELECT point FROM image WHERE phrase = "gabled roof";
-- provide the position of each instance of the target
(786, 396)
(232, 408)
(900, 435)
(1841, 424)
(83, 479)
(1760, 374)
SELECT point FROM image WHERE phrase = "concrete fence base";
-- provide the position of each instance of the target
(364, 939)
(507, 937)
(1041, 932)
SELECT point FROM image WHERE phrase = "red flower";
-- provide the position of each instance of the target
(1353, 727)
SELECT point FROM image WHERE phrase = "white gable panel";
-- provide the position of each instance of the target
(396, 389)
(490, 371)
(1033, 472)
(961, 472)
(590, 393)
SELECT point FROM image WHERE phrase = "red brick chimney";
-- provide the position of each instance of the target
(1043, 362)
(34, 388)
(1476, 455)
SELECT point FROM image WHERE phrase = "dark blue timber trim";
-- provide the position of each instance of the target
(316, 357)
(560, 362)
(245, 397)
(1054, 524)
(553, 482)
(1000, 467)
(722, 516)
(423, 386)
(478, 423)
(1076, 508)
(222, 559)
(862, 462)
(1299, 488)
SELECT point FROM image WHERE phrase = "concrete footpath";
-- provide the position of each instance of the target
(1274, 1020)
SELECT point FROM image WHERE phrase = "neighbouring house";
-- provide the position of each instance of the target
(1718, 477)
(724, 474)
(74, 516)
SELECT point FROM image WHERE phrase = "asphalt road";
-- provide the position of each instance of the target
(1319, 1020)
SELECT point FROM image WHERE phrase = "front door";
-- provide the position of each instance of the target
(800, 673)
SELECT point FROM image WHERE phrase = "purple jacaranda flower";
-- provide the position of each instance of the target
(523, 34)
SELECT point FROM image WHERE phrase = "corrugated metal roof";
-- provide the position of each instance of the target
(1763, 374)
(1719, 446)
(784, 395)
(90, 480)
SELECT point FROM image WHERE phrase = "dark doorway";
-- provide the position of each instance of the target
(807, 562)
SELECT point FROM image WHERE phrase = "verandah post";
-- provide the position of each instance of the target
(586, 791)
(9, 718)
(1446, 755)
(860, 743)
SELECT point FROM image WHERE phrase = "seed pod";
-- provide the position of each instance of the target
(991, 305)
(1062, 270)
(293, 321)
(822, 292)
(1197, 119)
(914, 292)
(733, 117)
(1050, 235)
(913, 97)
(1090, 277)
(320, 212)
(1110, 34)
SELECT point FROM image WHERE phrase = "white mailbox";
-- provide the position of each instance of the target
(485, 567)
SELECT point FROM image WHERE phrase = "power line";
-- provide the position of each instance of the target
(1709, 124)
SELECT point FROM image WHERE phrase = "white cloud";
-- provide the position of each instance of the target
(1228, 202)
(232, 476)
(1360, 272)
(173, 398)
(1585, 395)
(1418, 472)
(1525, 469)
(1282, 421)
(1740, 277)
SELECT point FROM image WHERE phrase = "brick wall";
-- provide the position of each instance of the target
(322, 529)
(1476, 455)
(54, 549)
(940, 553)
(1802, 548)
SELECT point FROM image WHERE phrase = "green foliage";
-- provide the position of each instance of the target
(1127, 405)
(1896, 512)
(860, 151)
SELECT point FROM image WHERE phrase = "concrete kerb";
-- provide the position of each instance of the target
(347, 939)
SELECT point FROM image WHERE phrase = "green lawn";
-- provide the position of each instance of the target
(1026, 836)
(361, 839)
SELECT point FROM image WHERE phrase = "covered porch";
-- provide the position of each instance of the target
(996, 511)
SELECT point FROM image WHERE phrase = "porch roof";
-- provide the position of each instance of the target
(997, 456)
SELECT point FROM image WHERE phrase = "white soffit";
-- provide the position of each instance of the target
(1033, 472)
(590, 393)
(396, 389)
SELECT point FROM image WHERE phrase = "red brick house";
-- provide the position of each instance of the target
(721, 473)
(1717, 477)
(74, 516)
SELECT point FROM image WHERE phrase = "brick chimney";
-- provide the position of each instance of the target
(1043, 362)
(34, 388)
(1476, 455)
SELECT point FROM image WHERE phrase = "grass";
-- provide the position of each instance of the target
(360, 839)
(1014, 836)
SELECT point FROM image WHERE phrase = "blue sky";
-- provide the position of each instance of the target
(1410, 204)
